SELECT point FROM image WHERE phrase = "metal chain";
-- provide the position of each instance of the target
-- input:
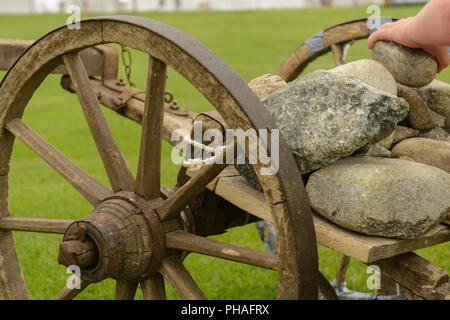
(128, 63)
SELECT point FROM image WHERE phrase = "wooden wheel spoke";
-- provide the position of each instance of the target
(342, 269)
(337, 50)
(125, 290)
(116, 167)
(69, 294)
(153, 288)
(148, 175)
(189, 190)
(180, 279)
(182, 240)
(34, 224)
(90, 188)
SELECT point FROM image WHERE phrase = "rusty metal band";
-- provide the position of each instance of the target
(159, 242)
(157, 233)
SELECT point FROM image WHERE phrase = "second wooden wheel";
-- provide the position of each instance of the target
(332, 39)
(132, 234)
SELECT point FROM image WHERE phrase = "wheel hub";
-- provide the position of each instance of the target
(121, 239)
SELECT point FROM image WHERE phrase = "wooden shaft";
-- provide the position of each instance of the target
(182, 240)
(90, 188)
(134, 109)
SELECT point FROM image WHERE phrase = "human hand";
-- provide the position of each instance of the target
(400, 32)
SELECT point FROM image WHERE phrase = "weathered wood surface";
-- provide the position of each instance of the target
(148, 179)
(10, 50)
(238, 191)
(90, 188)
(116, 167)
(333, 38)
(221, 86)
(69, 294)
(134, 110)
(180, 279)
(153, 288)
(418, 275)
(125, 290)
(182, 240)
(35, 224)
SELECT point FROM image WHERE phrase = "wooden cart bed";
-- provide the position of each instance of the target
(234, 188)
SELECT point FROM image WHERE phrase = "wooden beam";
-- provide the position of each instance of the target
(418, 275)
(10, 50)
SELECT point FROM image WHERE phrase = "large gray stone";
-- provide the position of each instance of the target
(325, 116)
(409, 66)
(381, 196)
(370, 72)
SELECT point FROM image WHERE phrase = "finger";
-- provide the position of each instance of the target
(387, 25)
(382, 34)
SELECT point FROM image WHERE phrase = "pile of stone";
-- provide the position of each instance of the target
(371, 138)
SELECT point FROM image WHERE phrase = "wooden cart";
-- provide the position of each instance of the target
(139, 232)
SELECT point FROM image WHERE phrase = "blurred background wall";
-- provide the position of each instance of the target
(54, 6)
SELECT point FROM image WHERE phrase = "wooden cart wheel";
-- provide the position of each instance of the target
(331, 39)
(128, 235)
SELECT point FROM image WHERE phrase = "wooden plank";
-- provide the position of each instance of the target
(34, 224)
(180, 279)
(116, 167)
(10, 50)
(90, 188)
(365, 248)
(148, 179)
(182, 240)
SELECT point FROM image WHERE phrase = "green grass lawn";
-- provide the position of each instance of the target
(252, 43)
